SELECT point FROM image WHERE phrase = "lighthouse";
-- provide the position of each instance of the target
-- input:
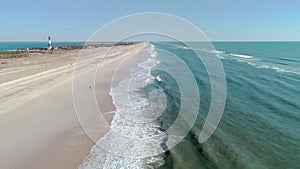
(49, 43)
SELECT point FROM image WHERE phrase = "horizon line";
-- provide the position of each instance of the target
(1, 41)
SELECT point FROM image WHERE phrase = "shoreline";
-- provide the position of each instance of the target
(54, 137)
(63, 46)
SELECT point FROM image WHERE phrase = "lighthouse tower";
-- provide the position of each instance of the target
(49, 43)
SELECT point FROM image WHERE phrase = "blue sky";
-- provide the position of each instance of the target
(218, 19)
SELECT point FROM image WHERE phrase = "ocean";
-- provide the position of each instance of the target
(39, 44)
(259, 128)
(260, 124)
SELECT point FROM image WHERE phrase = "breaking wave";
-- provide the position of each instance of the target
(135, 140)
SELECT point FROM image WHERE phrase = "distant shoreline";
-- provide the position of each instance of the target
(23, 52)
(42, 45)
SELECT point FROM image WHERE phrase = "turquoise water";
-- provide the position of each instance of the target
(19, 45)
(260, 127)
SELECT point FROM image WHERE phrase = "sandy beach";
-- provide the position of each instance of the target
(39, 127)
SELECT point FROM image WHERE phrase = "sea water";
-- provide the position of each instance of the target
(4, 46)
(260, 127)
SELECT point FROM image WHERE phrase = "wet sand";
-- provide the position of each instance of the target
(39, 127)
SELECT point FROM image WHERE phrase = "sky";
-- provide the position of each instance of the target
(219, 20)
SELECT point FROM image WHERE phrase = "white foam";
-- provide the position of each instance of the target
(281, 70)
(134, 140)
(273, 67)
(213, 51)
(242, 56)
(152, 51)
(217, 53)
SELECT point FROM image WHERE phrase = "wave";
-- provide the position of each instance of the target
(242, 56)
(213, 51)
(135, 139)
(260, 65)
(294, 71)
(288, 59)
(251, 60)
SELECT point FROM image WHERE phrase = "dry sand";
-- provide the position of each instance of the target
(38, 124)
